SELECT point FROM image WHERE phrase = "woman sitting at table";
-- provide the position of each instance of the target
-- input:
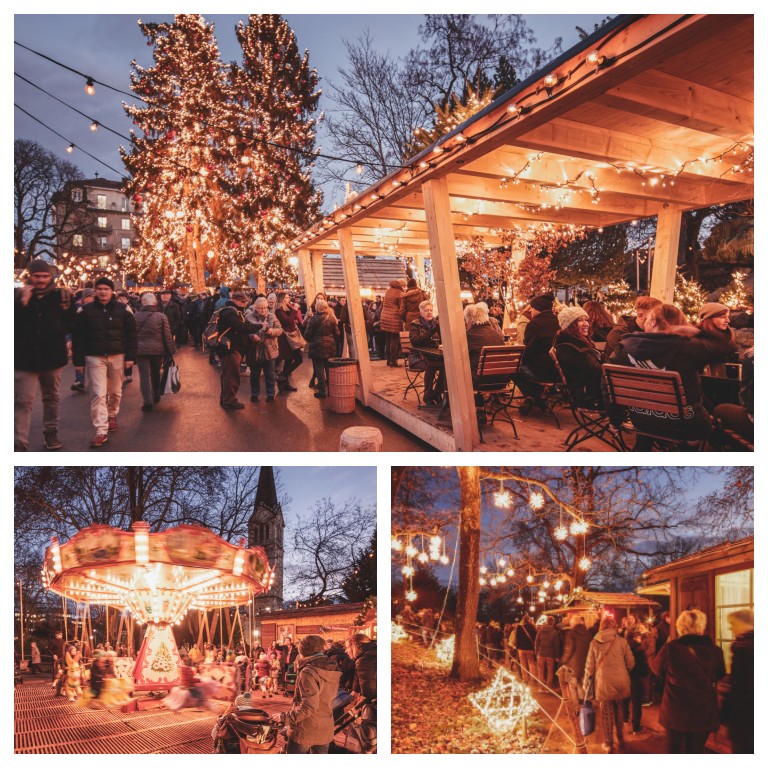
(578, 358)
(424, 333)
(669, 343)
(481, 332)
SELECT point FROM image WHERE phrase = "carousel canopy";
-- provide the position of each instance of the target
(157, 576)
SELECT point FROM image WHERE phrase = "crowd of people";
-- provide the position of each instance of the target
(628, 664)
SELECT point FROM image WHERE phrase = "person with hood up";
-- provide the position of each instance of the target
(669, 343)
(547, 648)
(609, 662)
(692, 665)
(155, 343)
(575, 642)
(310, 719)
(390, 322)
(322, 332)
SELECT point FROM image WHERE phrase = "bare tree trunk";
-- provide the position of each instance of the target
(466, 665)
(135, 480)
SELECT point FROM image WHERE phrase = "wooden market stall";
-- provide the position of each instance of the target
(592, 606)
(651, 115)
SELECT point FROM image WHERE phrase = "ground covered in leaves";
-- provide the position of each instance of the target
(432, 714)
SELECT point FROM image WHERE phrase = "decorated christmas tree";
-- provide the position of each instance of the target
(175, 159)
(271, 146)
(736, 295)
(163, 661)
(619, 299)
(689, 297)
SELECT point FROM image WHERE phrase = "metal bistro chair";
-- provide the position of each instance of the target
(590, 422)
(648, 392)
(415, 378)
(494, 381)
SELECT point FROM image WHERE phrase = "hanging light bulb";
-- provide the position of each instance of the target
(579, 527)
(536, 500)
(510, 572)
(70, 148)
(550, 80)
(558, 584)
(483, 569)
(519, 599)
(408, 570)
(423, 557)
(90, 88)
(561, 533)
(529, 578)
(95, 125)
(411, 596)
(359, 169)
(502, 498)
(585, 563)
(444, 559)
(411, 551)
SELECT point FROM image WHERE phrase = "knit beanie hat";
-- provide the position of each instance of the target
(104, 281)
(310, 645)
(568, 315)
(41, 265)
(542, 303)
(712, 309)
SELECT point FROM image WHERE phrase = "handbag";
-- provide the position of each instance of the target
(586, 718)
(171, 381)
(295, 339)
(271, 348)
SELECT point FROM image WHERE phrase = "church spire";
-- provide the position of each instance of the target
(266, 492)
(266, 529)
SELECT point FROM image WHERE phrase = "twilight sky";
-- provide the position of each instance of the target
(104, 45)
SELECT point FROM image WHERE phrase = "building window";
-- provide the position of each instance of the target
(125, 243)
(101, 201)
(77, 241)
(733, 591)
(101, 222)
(103, 261)
(77, 195)
(126, 224)
(101, 241)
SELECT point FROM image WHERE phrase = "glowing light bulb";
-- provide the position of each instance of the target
(411, 551)
(397, 545)
(502, 499)
(585, 563)
(90, 88)
(561, 533)
(70, 148)
(95, 125)
(550, 80)
(536, 500)
(529, 578)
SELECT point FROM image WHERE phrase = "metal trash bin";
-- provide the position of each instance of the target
(342, 382)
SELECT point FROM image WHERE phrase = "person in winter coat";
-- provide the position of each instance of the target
(525, 642)
(637, 679)
(262, 674)
(578, 358)
(288, 315)
(609, 662)
(482, 331)
(390, 322)
(575, 642)
(692, 665)
(35, 660)
(155, 343)
(310, 719)
(739, 705)
(171, 310)
(410, 301)
(104, 344)
(321, 332)
(537, 365)
(600, 321)
(424, 333)
(344, 662)
(234, 331)
(669, 343)
(364, 683)
(547, 648)
(264, 348)
(629, 324)
(42, 317)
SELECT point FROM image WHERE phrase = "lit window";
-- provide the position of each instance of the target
(101, 201)
(103, 261)
(126, 224)
(77, 241)
(101, 222)
(102, 242)
(125, 243)
(733, 591)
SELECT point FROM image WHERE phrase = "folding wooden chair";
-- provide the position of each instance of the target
(650, 393)
(494, 381)
(590, 422)
(415, 378)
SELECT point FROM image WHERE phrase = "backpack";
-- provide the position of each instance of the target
(211, 334)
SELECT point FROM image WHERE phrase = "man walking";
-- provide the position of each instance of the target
(42, 318)
(233, 339)
(104, 344)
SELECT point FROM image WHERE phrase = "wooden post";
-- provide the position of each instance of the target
(452, 330)
(665, 253)
(316, 259)
(356, 319)
(570, 692)
(306, 274)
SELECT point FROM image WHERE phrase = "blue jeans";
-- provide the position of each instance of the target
(268, 366)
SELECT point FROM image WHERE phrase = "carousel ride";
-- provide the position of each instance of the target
(158, 577)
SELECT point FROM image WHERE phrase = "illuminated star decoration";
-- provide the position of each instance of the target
(505, 702)
(398, 633)
(444, 650)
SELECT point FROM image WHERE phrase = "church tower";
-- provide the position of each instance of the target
(265, 529)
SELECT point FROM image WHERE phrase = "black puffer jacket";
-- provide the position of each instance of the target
(365, 671)
(104, 329)
(673, 352)
(539, 335)
(173, 312)
(232, 322)
(581, 367)
(321, 332)
(39, 329)
(154, 333)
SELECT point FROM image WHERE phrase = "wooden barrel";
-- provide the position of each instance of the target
(342, 383)
(355, 439)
